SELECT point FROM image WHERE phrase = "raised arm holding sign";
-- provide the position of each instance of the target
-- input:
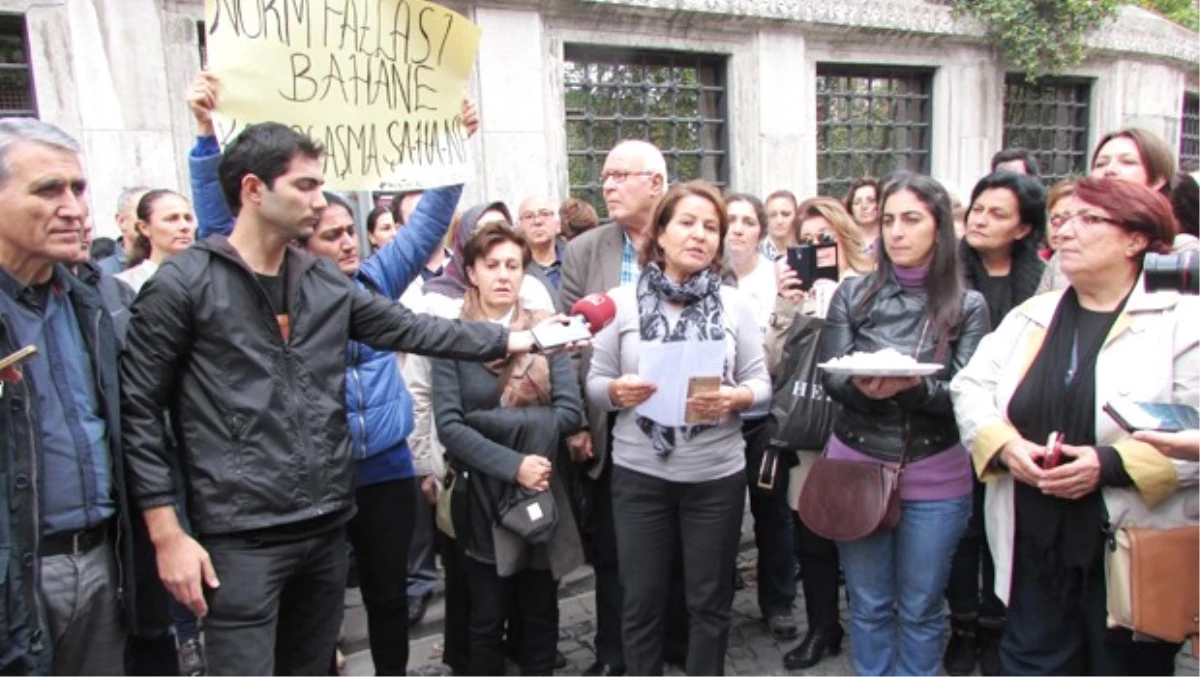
(379, 84)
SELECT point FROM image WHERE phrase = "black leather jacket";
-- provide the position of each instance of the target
(897, 319)
(260, 421)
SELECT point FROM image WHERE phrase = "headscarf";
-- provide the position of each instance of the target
(453, 280)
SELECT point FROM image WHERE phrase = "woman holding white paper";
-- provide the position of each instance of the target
(680, 484)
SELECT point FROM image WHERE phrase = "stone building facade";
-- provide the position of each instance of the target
(754, 94)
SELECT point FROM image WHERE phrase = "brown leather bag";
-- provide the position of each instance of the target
(1154, 581)
(849, 500)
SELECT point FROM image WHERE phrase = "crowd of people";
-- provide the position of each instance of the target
(233, 412)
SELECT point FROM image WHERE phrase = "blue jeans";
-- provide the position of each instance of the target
(896, 580)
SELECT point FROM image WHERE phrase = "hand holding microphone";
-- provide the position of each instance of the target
(588, 316)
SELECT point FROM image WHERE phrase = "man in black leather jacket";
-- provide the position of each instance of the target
(242, 339)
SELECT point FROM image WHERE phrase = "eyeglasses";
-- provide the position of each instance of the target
(819, 238)
(1089, 220)
(539, 214)
(619, 176)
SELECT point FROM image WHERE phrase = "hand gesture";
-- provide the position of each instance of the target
(1183, 445)
(1076, 479)
(470, 117)
(630, 390)
(183, 565)
(884, 387)
(580, 446)
(716, 404)
(1023, 459)
(202, 100)
(788, 283)
(534, 472)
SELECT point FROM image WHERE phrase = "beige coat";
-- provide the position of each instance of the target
(1151, 354)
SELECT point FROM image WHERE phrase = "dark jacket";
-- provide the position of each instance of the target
(260, 421)
(115, 295)
(25, 637)
(489, 443)
(895, 319)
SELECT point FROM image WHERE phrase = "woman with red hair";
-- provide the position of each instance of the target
(1049, 369)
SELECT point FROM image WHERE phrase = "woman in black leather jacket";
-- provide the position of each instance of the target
(914, 303)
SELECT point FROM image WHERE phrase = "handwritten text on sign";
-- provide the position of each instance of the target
(378, 82)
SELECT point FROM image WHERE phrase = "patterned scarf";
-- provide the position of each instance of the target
(702, 320)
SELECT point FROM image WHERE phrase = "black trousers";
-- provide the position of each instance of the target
(279, 608)
(655, 520)
(531, 593)
(456, 651)
(972, 587)
(773, 529)
(1048, 635)
(609, 591)
(818, 558)
(381, 533)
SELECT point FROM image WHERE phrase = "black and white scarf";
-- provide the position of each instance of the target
(702, 320)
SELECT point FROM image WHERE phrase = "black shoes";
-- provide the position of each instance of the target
(962, 651)
(560, 660)
(813, 648)
(416, 608)
(601, 669)
(988, 635)
(782, 626)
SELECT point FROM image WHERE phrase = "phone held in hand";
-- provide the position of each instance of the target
(1152, 416)
(549, 336)
(812, 262)
(1053, 457)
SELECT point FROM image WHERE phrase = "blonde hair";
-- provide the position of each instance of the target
(844, 228)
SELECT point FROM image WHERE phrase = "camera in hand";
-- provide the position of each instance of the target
(814, 260)
(1173, 272)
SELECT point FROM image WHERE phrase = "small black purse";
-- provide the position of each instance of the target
(532, 515)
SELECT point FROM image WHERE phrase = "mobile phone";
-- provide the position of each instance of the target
(1152, 416)
(813, 262)
(767, 468)
(554, 335)
(18, 356)
(1053, 455)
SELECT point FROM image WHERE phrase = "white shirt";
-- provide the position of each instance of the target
(759, 288)
(136, 276)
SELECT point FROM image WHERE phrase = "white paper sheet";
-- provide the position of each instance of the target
(669, 366)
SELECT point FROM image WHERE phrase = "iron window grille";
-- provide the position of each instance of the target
(1189, 135)
(675, 100)
(16, 77)
(1050, 119)
(870, 120)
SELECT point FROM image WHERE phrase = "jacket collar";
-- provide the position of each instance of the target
(298, 260)
(1040, 309)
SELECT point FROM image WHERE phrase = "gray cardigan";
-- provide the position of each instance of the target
(714, 453)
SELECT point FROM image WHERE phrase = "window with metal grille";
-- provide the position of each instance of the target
(1189, 134)
(16, 78)
(674, 100)
(1049, 119)
(870, 120)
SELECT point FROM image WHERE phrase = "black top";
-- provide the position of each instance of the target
(997, 291)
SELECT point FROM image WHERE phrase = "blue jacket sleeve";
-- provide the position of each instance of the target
(399, 262)
(212, 212)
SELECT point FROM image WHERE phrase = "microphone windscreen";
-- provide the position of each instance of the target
(598, 309)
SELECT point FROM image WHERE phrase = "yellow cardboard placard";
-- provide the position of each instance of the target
(378, 82)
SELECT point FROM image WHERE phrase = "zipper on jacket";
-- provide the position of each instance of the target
(112, 462)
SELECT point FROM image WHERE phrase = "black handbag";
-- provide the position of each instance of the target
(532, 515)
(802, 414)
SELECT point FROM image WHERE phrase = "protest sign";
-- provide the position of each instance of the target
(378, 82)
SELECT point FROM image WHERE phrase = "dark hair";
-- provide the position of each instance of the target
(102, 248)
(944, 286)
(1185, 202)
(860, 182)
(665, 211)
(1157, 158)
(264, 150)
(143, 211)
(373, 217)
(577, 217)
(760, 212)
(785, 194)
(1136, 208)
(484, 239)
(397, 200)
(1011, 154)
(1031, 203)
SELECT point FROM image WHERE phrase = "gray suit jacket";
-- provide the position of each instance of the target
(592, 263)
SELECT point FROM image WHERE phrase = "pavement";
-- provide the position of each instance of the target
(752, 650)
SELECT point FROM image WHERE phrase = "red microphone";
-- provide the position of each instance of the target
(598, 310)
(588, 316)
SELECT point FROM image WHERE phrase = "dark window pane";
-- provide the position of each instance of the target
(16, 77)
(1189, 134)
(674, 100)
(870, 120)
(1049, 119)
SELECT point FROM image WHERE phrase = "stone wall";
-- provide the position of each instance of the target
(113, 72)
